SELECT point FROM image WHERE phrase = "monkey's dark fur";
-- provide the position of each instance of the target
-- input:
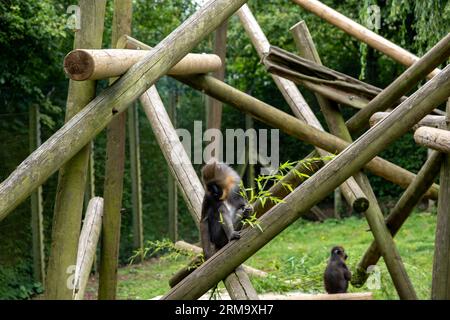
(337, 275)
(223, 207)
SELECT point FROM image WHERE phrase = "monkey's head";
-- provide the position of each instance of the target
(219, 179)
(338, 252)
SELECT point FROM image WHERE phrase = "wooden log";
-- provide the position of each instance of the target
(433, 138)
(298, 129)
(181, 168)
(398, 215)
(136, 184)
(316, 188)
(433, 121)
(171, 183)
(89, 64)
(361, 33)
(87, 246)
(114, 173)
(37, 228)
(239, 289)
(400, 86)
(72, 176)
(214, 107)
(440, 284)
(77, 132)
(294, 98)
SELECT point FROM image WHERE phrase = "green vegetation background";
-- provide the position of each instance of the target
(34, 40)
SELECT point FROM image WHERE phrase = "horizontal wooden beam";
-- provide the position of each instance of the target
(433, 138)
(86, 64)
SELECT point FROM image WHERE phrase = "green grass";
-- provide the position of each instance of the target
(297, 257)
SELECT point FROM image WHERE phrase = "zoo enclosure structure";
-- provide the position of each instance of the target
(68, 150)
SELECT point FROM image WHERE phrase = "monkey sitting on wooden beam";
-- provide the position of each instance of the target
(223, 207)
(337, 275)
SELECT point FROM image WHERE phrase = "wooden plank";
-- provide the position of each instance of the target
(440, 285)
(315, 188)
(114, 172)
(37, 229)
(361, 33)
(87, 246)
(72, 176)
(136, 185)
(428, 121)
(78, 131)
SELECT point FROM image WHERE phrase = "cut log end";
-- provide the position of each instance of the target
(79, 65)
(361, 204)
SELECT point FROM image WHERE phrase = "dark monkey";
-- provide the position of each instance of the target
(337, 275)
(223, 207)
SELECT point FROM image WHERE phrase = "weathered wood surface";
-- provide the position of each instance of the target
(114, 173)
(79, 130)
(433, 138)
(294, 98)
(440, 284)
(433, 121)
(72, 177)
(315, 188)
(172, 190)
(90, 64)
(361, 33)
(298, 129)
(87, 246)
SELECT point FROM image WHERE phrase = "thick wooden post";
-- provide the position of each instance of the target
(171, 183)
(315, 188)
(114, 171)
(250, 166)
(440, 286)
(36, 202)
(136, 190)
(214, 107)
(72, 176)
(295, 99)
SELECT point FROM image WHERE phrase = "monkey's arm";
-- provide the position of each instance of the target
(347, 273)
(228, 224)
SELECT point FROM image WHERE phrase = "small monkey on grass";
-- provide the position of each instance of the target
(223, 207)
(337, 275)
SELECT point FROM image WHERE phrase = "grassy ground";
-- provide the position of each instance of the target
(297, 258)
